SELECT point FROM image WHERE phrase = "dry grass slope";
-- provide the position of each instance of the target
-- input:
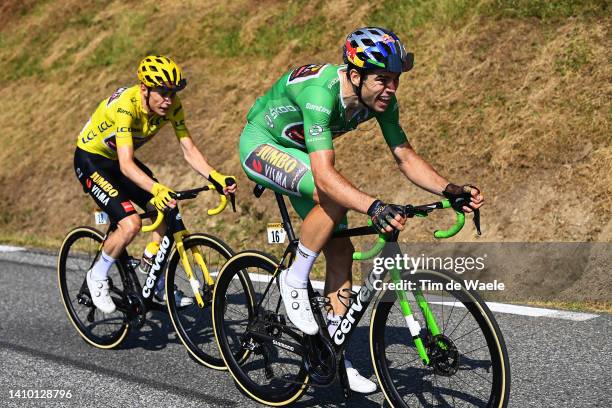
(510, 95)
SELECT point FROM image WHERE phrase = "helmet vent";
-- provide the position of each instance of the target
(153, 68)
(377, 56)
(368, 42)
(386, 48)
(167, 74)
(358, 32)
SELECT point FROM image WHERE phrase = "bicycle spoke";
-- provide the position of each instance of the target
(475, 390)
(471, 351)
(458, 324)
(463, 335)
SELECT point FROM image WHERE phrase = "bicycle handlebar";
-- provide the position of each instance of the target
(422, 211)
(190, 194)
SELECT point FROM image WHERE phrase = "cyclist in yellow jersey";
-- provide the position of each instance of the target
(105, 165)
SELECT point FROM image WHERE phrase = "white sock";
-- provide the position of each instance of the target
(102, 266)
(297, 277)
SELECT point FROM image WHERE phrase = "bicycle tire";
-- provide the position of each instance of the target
(400, 383)
(238, 360)
(192, 324)
(77, 254)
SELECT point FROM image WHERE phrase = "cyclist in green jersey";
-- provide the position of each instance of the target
(287, 146)
(105, 165)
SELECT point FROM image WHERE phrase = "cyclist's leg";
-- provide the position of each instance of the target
(141, 198)
(287, 170)
(260, 156)
(98, 177)
(338, 264)
(338, 256)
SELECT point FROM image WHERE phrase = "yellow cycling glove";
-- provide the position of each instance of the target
(219, 180)
(162, 195)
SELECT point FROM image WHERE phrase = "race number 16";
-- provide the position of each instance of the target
(276, 233)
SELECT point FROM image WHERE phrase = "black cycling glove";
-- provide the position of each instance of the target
(381, 214)
(459, 196)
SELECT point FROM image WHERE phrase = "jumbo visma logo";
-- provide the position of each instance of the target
(103, 190)
(278, 159)
(277, 167)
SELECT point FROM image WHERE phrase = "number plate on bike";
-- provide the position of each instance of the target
(101, 217)
(276, 233)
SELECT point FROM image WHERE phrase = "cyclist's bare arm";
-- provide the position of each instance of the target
(130, 170)
(194, 157)
(334, 185)
(417, 170)
(197, 161)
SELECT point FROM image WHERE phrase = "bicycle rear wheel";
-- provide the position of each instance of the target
(469, 364)
(192, 323)
(265, 371)
(78, 253)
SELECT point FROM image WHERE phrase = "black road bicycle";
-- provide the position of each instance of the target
(433, 344)
(189, 261)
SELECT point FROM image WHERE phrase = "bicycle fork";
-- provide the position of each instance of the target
(197, 255)
(413, 325)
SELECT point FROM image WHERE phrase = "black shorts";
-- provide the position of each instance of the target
(113, 192)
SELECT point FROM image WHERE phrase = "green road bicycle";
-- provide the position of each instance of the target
(431, 345)
(189, 261)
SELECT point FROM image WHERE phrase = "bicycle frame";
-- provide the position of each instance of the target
(174, 235)
(364, 296)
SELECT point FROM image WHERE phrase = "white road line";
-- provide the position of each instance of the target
(8, 248)
(494, 306)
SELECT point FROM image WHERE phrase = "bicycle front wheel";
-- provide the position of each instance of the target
(468, 365)
(266, 372)
(193, 322)
(78, 253)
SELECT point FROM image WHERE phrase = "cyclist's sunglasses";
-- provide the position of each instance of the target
(166, 92)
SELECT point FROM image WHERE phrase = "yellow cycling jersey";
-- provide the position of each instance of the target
(121, 120)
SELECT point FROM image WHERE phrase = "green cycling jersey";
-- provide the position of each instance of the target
(304, 110)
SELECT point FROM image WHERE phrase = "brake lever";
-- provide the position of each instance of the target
(231, 182)
(477, 221)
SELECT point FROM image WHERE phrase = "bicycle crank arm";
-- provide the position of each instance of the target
(274, 341)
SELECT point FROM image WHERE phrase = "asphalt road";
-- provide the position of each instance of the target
(555, 362)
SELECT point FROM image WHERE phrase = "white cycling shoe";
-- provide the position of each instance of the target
(100, 296)
(357, 382)
(297, 306)
(179, 297)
